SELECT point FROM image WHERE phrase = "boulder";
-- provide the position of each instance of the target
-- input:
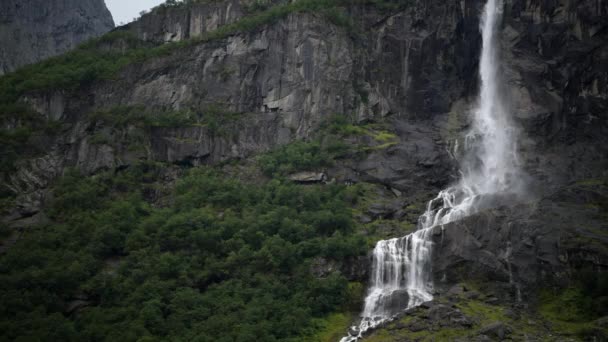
(497, 330)
(307, 177)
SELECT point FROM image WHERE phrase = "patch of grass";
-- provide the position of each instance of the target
(571, 311)
(380, 147)
(365, 194)
(484, 313)
(592, 182)
(330, 329)
(341, 125)
(445, 334)
(384, 136)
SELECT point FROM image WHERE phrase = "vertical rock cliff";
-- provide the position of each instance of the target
(368, 95)
(33, 30)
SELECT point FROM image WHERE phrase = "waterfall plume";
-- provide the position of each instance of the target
(401, 269)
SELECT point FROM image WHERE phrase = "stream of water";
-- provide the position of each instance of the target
(401, 268)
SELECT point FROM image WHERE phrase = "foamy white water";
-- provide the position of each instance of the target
(401, 268)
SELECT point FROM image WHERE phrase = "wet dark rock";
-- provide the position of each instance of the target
(383, 210)
(416, 325)
(523, 246)
(511, 314)
(460, 320)
(492, 300)
(456, 290)
(447, 316)
(471, 295)
(438, 312)
(428, 305)
(395, 302)
(497, 329)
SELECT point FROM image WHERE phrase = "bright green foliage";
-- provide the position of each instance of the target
(330, 329)
(341, 126)
(225, 262)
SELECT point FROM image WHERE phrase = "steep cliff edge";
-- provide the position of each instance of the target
(224, 83)
(31, 31)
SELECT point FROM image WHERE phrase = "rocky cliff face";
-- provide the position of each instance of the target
(31, 31)
(412, 68)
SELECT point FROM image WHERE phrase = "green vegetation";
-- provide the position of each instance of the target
(483, 312)
(330, 329)
(321, 152)
(298, 156)
(213, 116)
(225, 261)
(90, 62)
(98, 60)
(341, 126)
(20, 124)
(392, 333)
(572, 310)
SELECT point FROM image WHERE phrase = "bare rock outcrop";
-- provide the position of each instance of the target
(33, 30)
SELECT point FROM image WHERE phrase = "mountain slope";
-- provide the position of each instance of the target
(31, 31)
(187, 152)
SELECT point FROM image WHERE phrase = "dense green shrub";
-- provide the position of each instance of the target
(226, 261)
(19, 124)
(594, 287)
(303, 156)
(92, 61)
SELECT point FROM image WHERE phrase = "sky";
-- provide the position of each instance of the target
(124, 11)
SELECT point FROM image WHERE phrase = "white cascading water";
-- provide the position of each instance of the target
(401, 269)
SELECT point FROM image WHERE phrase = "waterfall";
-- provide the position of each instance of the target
(401, 269)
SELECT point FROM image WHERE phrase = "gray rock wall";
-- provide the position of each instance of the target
(33, 30)
(415, 69)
